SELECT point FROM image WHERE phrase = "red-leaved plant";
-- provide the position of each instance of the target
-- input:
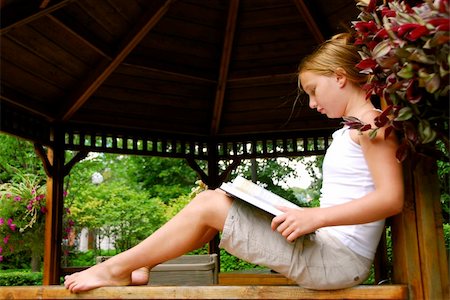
(405, 50)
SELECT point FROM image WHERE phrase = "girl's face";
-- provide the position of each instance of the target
(325, 93)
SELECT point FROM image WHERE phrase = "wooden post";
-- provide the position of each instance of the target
(406, 259)
(213, 182)
(433, 259)
(55, 207)
(419, 256)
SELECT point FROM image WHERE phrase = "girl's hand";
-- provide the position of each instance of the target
(295, 222)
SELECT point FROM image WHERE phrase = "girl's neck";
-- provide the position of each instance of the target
(358, 105)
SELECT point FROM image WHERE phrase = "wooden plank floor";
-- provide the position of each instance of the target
(205, 292)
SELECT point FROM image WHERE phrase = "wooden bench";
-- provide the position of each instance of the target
(251, 284)
(207, 292)
(253, 277)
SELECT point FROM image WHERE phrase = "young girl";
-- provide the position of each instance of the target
(362, 185)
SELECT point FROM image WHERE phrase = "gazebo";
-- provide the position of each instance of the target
(201, 80)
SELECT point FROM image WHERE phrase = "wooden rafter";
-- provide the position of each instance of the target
(169, 73)
(106, 67)
(30, 12)
(312, 25)
(224, 65)
(9, 95)
(79, 37)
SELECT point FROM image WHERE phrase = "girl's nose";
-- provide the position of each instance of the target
(312, 103)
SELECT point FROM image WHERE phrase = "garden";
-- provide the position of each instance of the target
(115, 198)
(121, 199)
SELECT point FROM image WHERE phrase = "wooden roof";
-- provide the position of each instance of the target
(191, 70)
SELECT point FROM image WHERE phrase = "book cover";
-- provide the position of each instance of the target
(256, 195)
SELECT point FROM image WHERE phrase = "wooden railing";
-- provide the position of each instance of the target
(206, 292)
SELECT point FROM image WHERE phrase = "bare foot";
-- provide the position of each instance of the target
(140, 276)
(94, 277)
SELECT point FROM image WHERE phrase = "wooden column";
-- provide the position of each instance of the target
(213, 183)
(433, 258)
(419, 256)
(55, 207)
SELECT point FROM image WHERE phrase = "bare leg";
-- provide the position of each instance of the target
(200, 220)
(141, 276)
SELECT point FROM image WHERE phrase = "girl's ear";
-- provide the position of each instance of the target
(341, 76)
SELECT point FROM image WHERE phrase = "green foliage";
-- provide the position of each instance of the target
(447, 236)
(132, 218)
(20, 278)
(18, 154)
(271, 173)
(177, 204)
(116, 209)
(164, 178)
(444, 180)
(310, 197)
(229, 263)
(87, 258)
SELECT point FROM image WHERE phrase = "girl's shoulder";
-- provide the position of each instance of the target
(369, 116)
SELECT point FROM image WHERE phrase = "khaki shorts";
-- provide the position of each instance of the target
(318, 261)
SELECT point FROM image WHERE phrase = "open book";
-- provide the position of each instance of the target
(256, 195)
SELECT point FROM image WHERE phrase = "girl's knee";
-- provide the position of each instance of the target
(213, 201)
(214, 196)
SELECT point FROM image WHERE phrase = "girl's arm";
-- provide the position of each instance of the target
(386, 200)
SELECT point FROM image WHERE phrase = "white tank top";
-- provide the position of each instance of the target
(346, 177)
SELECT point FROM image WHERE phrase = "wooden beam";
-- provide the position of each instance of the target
(24, 102)
(235, 163)
(405, 250)
(224, 65)
(79, 156)
(48, 168)
(433, 259)
(169, 73)
(24, 12)
(419, 256)
(193, 164)
(266, 79)
(106, 67)
(206, 292)
(44, 4)
(79, 37)
(254, 277)
(310, 22)
(55, 208)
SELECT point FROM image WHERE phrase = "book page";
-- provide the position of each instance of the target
(261, 193)
(256, 195)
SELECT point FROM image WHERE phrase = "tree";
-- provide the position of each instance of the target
(272, 174)
(115, 206)
(165, 178)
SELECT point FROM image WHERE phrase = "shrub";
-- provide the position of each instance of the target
(20, 277)
(447, 237)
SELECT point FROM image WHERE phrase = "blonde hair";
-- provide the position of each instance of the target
(337, 52)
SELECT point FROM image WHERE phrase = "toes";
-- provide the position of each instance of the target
(69, 282)
(73, 287)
